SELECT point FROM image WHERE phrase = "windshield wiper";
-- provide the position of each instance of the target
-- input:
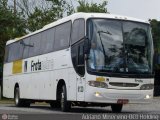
(107, 32)
(99, 33)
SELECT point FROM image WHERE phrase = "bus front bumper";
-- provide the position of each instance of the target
(101, 95)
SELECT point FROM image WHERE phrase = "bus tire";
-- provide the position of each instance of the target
(65, 105)
(116, 108)
(55, 104)
(17, 100)
(26, 103)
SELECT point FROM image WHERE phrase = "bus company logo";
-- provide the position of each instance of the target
(46, 64)
(124, 84)
(138, 80)
(25, 66)
(35, 66)
(4, 116)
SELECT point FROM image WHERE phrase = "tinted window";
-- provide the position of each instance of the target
(75, 30)
(6, 54)
(35, 45)
(78, 30)
(62, 36)
(81, 29)
(15, 51)
(81, 55)
(26, 42)
(77, 52)
(81, 68)
(21, 48)
(47, 40)
(74, 56)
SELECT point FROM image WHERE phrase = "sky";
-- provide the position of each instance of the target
(142, 9)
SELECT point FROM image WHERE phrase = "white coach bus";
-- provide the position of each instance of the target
(86, 59)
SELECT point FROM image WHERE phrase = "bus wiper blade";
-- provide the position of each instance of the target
(103, 70)
(107, 32)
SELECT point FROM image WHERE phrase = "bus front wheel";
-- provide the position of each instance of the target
(65, 105)
(116, 108)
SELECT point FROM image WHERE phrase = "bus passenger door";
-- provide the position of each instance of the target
(81, 72)
(77, 51)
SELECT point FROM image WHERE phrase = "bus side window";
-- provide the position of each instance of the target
(26, 48)
(62, 36)
(78, 31)
(81, 68)
(36, 45)
(78, 58)
(6, 54)
(74, 56)
(15, 51)
(47, 41)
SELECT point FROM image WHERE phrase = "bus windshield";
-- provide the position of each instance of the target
(120, 46)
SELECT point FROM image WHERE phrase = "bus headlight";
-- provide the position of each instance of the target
(98, 84)
(147, 87)
(148, 96)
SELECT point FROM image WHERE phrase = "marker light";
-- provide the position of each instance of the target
(147, 87)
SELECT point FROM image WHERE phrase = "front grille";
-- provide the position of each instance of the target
(120, 84)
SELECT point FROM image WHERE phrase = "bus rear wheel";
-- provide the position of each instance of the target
(116, 108)
(18, 101)
(55, 104)
(65, 105)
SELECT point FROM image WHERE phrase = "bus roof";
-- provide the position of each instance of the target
(80, 15)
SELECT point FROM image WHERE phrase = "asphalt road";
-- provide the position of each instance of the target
(44, 112)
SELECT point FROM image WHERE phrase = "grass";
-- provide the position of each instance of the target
(11, 101)
(6, 101)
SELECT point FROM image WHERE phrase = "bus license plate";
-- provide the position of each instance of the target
(122, 101)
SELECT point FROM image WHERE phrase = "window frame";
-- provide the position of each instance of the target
(72, 43)
(9, 51)
(65, 47)
(43, 32)
(31, 42)
(77, 51)
(76, 46)
(121, 75)
(29, 37)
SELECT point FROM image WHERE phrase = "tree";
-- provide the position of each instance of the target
(46, 12)
(156, 40)
(93, 7)
(11, 26)
(156, 34)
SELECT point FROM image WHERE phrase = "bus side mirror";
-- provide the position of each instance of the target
(86, 47)
(24, 44)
